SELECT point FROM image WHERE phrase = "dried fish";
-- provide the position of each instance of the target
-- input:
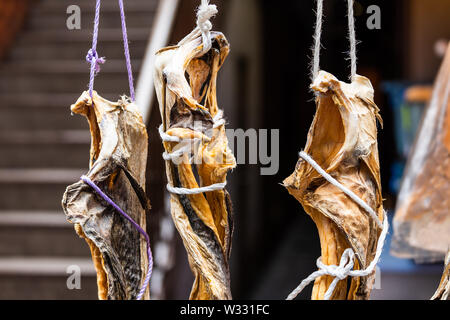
(118, 159)
(185, 82)
(422, 217)
(443, 291)
(343, 141)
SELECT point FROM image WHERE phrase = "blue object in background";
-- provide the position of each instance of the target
(407, 117)
(395, 180)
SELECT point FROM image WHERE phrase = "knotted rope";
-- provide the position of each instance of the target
(92, 55)
(93, 58)
(344, 269)
(186, 149)
(137, 226)
(204, 13)
(317, 39)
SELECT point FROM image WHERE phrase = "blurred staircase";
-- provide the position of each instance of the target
(43, 149)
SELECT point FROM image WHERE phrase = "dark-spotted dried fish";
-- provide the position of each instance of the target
(185, 81)
(118, 159)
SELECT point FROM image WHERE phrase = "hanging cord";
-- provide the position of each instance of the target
(95, 61)
(205, 12)
(352, 38)
(92, 55)
(317, 39)
(218, 121)
(127, 51)
(137, 226)
(317, 36)
(344, 269)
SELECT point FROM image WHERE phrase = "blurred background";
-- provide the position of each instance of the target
(263, 84)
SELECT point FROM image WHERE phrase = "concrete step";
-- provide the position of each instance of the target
(44, 155)
(35, 189)
(44, 149)
(16, 218)
(81, 37)
(71, 75)
(45, 278)
(106, 6)
(61, 83)
(33, 118)
(42, 137)
(50, 51)
(39, 100)
(57, 19)
(44, 67)
(44, 266)
(34, 234)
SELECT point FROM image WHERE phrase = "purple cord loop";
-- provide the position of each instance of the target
(137, 226)
(92, 57)
(95, 61)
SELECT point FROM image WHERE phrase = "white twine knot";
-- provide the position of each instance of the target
(342, 270)
(218, 119)
(204, 13)
(187, 149)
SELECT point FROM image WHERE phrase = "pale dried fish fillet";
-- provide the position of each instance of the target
(118, 161)
(422, 216)
(343, 141)
(185, 83)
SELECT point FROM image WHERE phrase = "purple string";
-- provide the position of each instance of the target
(127, 50)
(92, 55)
(142, 231)
(96, 61)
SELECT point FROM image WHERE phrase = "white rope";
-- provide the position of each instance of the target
(346, 263)
(205, 12)
(213, 187)
(344, 189)
(218, 119)
(167, 137)
(176, 155)
(352, 38)
(318, 34)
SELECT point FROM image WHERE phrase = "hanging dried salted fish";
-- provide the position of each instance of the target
(118, 161)
(196, 145)
(343, 141)
(422, 216)
(443, 291)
